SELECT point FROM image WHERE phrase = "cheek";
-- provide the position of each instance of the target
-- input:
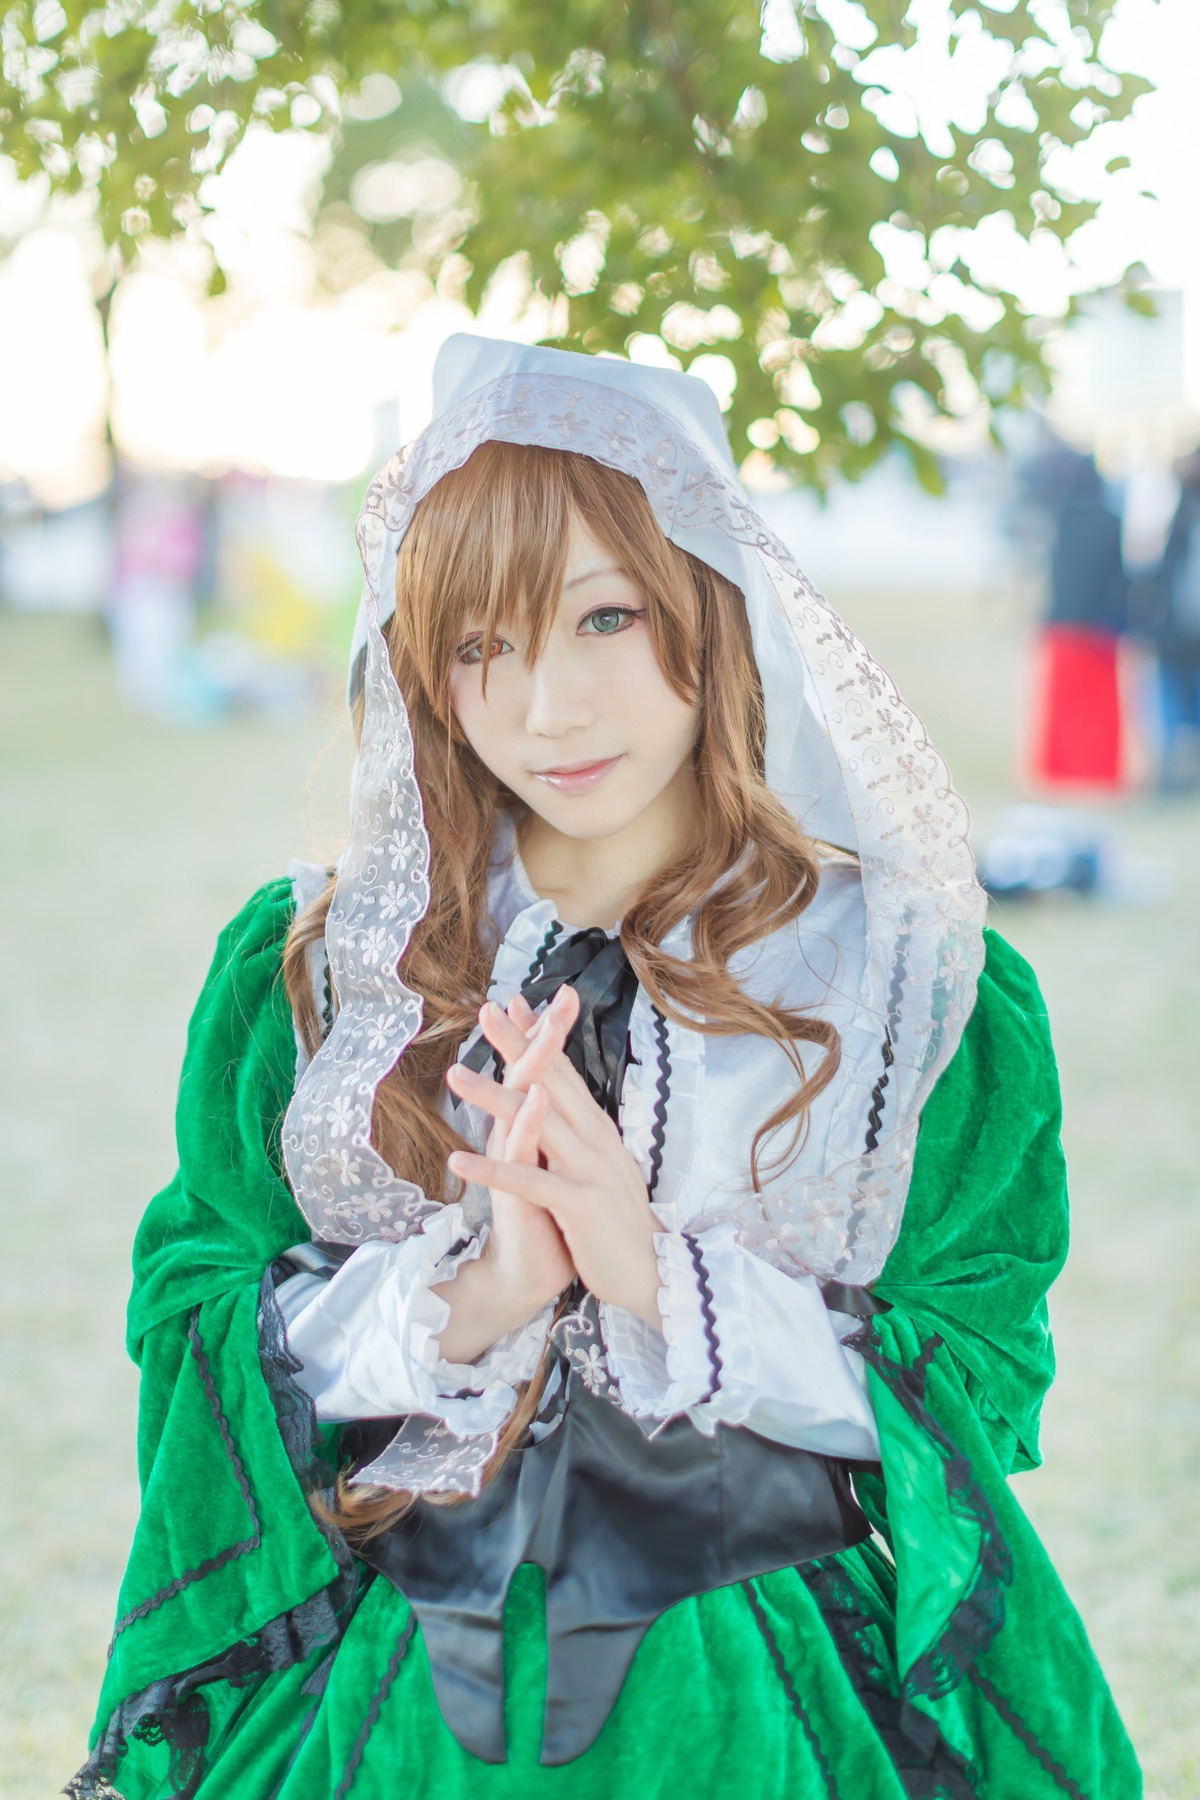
(469, 708)
(461, 696)
(668, 722)
(481, 721)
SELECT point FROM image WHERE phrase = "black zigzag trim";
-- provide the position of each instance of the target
(789, 1688)
(658, 1130)
(707, 1314)
(875, 1110)
(173, 1710)
(894, 993)
(230, 1554)
(875, 1115)
(553, 931)
(1021, 1731)
(372, 1717)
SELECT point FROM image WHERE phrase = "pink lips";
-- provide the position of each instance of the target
(578, 779)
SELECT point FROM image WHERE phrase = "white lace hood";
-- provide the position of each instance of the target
(844, 752)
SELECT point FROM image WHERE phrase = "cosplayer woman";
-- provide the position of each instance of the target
(603, 1292)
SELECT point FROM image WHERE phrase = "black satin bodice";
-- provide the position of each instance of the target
(623, 1524)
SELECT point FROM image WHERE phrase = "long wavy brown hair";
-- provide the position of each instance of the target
(488, 545)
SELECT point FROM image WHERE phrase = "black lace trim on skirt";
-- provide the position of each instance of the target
(172, 1710)
(927, 1766)
(979, 1615)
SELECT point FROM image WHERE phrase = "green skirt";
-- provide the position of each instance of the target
(781, 1687)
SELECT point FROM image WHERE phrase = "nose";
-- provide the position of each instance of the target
(558, 697)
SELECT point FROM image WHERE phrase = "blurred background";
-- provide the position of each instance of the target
(942, 268)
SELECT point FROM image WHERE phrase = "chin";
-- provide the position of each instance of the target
(586, 815)
(577, 825)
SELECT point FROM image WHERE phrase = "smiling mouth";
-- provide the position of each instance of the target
(578, 775)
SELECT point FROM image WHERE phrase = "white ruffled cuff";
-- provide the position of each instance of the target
(741, 1344)
(637, 1360)
(705, 1360)
(512, 1358)
(368, 1339)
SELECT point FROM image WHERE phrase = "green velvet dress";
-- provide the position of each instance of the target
(255, 1659)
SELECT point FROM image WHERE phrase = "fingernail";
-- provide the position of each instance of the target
(455, 1162)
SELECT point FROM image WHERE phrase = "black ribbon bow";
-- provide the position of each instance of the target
(598, 1042)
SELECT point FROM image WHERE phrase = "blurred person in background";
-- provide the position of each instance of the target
(1078, 728)
(151, 611)
(1173, 626)
(587, 1358)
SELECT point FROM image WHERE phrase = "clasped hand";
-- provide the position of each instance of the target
(567, 1197)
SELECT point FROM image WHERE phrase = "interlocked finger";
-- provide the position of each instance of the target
(506, 1106)
(513, 1041)
(540, 1186)
(521, 1013)
(538, 1056)
(529, 1125)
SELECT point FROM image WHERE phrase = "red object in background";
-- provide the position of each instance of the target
(1078, 736)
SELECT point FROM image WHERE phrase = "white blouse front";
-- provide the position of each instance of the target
(742, 1342)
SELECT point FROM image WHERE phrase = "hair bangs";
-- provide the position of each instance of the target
(487, 549)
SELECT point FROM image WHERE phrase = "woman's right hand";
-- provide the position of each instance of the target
(525, 1248)
(525, 1264)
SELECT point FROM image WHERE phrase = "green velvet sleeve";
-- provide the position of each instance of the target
(957, 1369)
(226, 1541)
(985, 1228)
(229, 1211)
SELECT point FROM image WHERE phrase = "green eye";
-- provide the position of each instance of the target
(608, 620)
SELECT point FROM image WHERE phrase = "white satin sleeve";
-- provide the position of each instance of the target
(367, 1339)
(741, 1344)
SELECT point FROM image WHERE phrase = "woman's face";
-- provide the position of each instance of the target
(590, 735)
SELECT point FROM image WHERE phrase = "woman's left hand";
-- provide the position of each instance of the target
(591, 1186)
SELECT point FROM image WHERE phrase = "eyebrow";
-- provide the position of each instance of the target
(591, 574)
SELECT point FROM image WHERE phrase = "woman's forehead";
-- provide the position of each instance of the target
(588, 554)
(532, 588)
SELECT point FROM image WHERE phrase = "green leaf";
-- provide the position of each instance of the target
(702, 173)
